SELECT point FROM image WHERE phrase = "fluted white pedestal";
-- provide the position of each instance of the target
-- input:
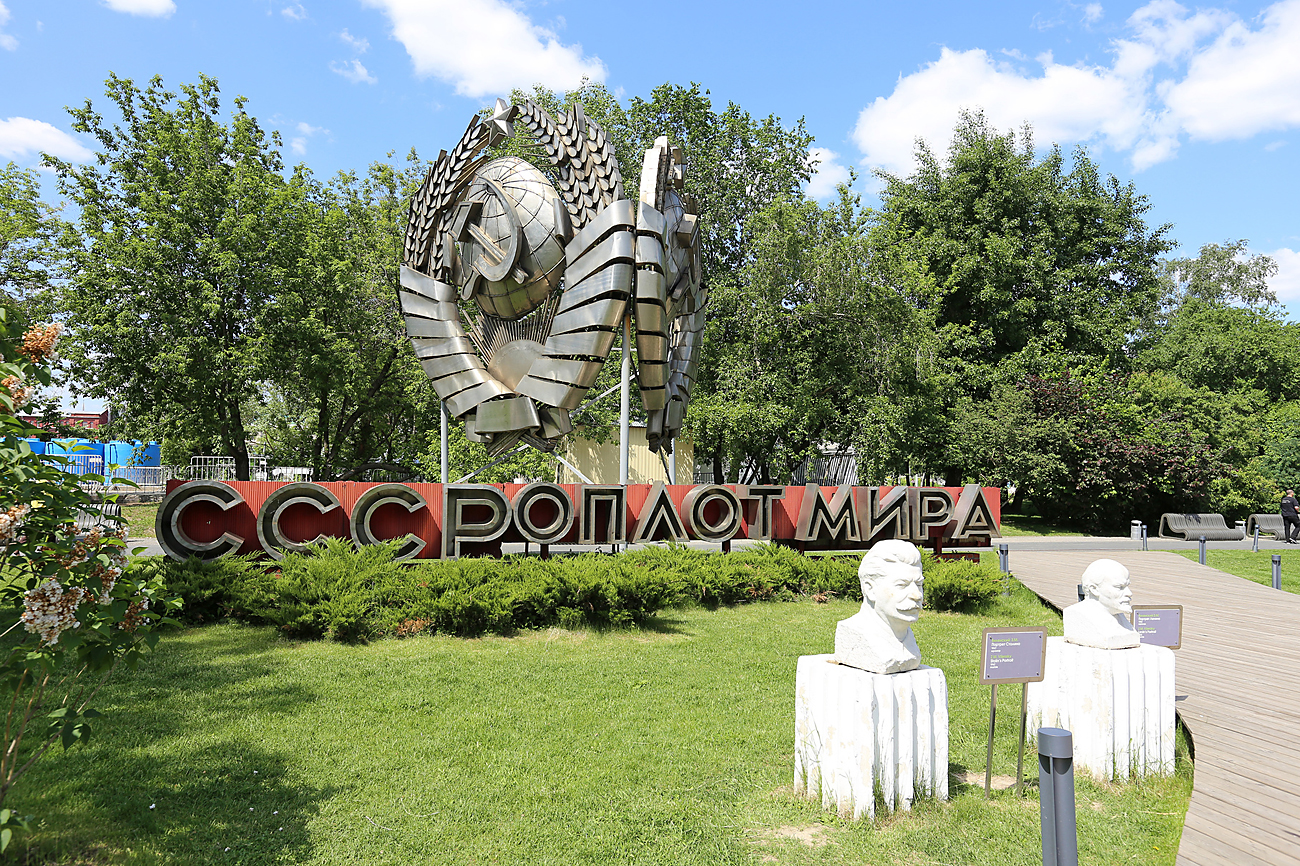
(859, 733)
(1118, 704)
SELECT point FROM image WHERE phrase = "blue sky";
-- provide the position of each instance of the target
(1199, 106)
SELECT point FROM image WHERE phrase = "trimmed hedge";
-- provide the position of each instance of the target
(354, 595)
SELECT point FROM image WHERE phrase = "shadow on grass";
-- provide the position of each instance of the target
(186, 801)
(197, 809)
(660, 624)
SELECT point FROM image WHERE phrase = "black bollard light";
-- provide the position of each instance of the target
(1254, 544)
(1144, 536)
(1277, 571)
(1202, 550)
(1056, 797)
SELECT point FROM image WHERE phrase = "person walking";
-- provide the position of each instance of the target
(1290, 517)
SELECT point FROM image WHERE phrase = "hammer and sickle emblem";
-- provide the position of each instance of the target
(486, 260)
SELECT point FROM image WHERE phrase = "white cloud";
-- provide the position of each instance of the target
(1065, 103)
(7, 42)
(305, 131)
(1274, 145)
(1204, 75)
(1092, 13)
(1287, 281)
(1245, 82)
(295, 12)
(359, 44)
(22, 137)
(827, 175)
(148, 8)
(353, 71)
(485, 46)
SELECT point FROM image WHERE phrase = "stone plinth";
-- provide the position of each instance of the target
(857, 733)
(1118, 704)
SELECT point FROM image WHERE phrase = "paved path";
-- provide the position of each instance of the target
(1238, 693)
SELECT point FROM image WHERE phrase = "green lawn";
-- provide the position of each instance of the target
(1254, 566)
(671, 745)
(1023, 524)
(140, 520)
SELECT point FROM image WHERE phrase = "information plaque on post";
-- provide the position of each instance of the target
(1011, 655)
(1159, 624)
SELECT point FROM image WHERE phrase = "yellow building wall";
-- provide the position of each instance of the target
(599, 461)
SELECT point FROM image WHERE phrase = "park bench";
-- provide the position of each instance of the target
(97, 516)
(1190, 527)
(1266, 524)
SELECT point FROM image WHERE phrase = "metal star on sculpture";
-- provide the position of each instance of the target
(514, 288)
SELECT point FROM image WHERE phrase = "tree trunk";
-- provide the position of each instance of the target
(717, 466)
(239, 444)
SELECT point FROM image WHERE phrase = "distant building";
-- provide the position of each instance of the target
(88, 420)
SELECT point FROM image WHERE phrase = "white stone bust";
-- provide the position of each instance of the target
(1101, 619)
(879, 637)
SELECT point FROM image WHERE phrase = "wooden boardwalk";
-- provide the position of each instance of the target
(1238, 693)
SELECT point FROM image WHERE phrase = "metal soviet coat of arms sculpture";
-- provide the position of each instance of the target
(513, 288)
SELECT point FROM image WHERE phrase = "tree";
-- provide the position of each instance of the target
(33, 238)
(189, 229)
(1220, 274)
(814, 344)
(1225, 348)
(1023, 251)
(1028, 258)
(344, 378)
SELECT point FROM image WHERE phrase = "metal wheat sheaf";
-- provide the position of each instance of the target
(514, 288)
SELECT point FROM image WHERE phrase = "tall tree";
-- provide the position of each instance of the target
(189, 229)
(33, 238)
(1023, 251)
(1032, 259)
(343, 373)
(816, 343)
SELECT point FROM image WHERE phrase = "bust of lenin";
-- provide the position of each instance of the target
(879, 637)
(1101, 619)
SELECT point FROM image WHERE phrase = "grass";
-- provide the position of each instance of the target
(140, 520)
(1032, 524)
(668, 745)
(1256, 566)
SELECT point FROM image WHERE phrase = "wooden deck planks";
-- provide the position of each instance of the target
(1239, 668)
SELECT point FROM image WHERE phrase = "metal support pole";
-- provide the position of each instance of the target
(1254, 543)
(1202, 547)
(1024, 719)
(443, 412)
(988, 764)
(1277, 571)
(624, 397)
(1056, 797)
(1144, 536)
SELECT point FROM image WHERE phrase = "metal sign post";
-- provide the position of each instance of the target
(1011, 655)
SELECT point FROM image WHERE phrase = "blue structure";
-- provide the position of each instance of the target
(91, 456)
